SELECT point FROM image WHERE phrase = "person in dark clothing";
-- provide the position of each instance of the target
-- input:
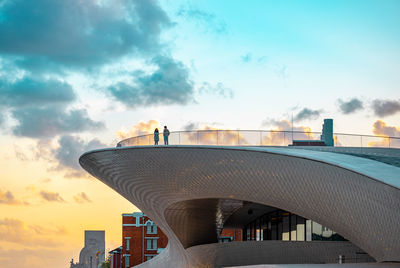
(166, 134)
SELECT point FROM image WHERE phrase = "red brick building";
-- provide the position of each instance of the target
(229, 235)
(115, 258)
(141, 239)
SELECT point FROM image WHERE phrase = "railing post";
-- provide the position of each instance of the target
(149, 140)
(284, 138)
(217, 137)
(361, 143)
(197, 137)
(260, 138)
(238, 138)
(179, 143)
(389, 141)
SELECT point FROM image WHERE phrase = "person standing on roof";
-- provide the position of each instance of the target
(156, 136)
(166, 134)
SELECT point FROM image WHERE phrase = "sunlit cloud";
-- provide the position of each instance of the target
(51, 196)
(16, 231)
(35, 257)
(141, 128)
(208, 135)
(82, 198)
(280, 133)
(380, 128)
(7, 198)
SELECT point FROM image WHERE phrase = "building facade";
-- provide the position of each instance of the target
(141, 239)
(115, 257)
(92, 254)
(282, 197)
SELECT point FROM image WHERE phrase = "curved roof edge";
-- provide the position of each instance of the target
(376, 170)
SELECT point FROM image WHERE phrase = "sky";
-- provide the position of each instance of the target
(79, 75)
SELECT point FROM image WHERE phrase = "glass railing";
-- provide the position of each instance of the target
(260, 138)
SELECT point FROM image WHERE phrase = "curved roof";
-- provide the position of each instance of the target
(357, 197)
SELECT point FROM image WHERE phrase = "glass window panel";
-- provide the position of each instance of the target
(154, 243)
(308, 230)
(279, 233)
(316, 231)
(148, 243)
(300, 228)
(285, 227)
(293, 227)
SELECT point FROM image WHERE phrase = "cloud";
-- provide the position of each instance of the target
(79, 33)
(191, 126)
(283, 135)
(351, 106)
(384, 108)
(306, 113)
(141, 128)
(46, 180)
(51, 197)
(36, 257)
(52, 120)
(219, 89)
(169, 84)
(208, 21)
(281, 71)
(208, 135)
(246, 58)
(82, 198)
(16, 231)
(380, 128)
(40, 108)
(33, 92)
(68, 152)
(7, 198)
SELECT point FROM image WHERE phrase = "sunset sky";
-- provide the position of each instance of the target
(77, 75)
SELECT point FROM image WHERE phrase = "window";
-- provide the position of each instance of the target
(308, 230)
(285, 227)
(127, 243)
(126, 261)
(300, 228)
(293, 227)
(151, 244)
(151, 228)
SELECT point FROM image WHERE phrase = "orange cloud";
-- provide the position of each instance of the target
(382, 129)
(8, 198)
(51, 197)
(82, 198)
(141, 128)
(208, 135)
(283, 135)
(36, 257)
(16, 231)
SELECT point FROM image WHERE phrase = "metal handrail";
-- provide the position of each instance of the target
(265, 138)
